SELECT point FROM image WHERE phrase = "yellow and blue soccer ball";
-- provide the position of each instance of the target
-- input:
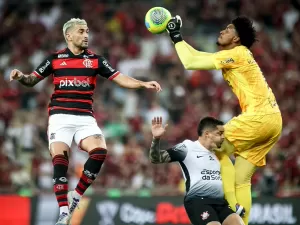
(156, 19)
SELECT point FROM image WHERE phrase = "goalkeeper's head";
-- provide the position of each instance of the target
(240, 32)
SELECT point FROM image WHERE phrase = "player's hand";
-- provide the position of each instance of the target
(157, 128)
(174, 24)
(173, 28)
(152, 85)
(15, 75)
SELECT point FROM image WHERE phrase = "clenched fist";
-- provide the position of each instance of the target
(15, 75)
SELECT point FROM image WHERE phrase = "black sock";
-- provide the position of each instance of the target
(60, 167)
(91, 169)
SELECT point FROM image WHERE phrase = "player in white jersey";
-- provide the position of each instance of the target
(204, 202)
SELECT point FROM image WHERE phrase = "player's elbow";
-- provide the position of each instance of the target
(187, 63)
(154, 161)
(187, 66)
(30, 85)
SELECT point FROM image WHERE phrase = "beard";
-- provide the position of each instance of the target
(83, 47)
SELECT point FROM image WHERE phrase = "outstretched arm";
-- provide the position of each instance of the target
(27, 80)
(193, 59)
(129, 82)
(41, 72)
(106, 70)
(190, 57)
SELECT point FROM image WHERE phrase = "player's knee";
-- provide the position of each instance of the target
(214, 223)
(233, 219)
(227, 147)
(92, 142)
(244, 171)
(242, 179)
(59, 148)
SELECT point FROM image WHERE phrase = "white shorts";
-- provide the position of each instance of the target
(63, 128)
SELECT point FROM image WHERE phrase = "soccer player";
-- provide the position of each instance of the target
(252, 134)
(74, 70)
(204, 200)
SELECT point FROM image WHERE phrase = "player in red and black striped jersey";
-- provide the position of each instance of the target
(74, 78)
(74, 72)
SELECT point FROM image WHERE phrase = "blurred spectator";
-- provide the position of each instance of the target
(267, 185)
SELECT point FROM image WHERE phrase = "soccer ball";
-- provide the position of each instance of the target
(156, 19)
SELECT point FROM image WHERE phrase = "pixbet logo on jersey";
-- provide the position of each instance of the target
(74, 83)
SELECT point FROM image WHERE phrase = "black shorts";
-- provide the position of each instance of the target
(201, 211)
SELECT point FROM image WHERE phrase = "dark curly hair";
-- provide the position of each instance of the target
(245, 30)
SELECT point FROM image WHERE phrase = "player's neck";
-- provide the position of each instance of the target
(228, 47)
(75, 50)
(204, 143)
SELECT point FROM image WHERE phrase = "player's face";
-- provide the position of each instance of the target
(80, 36)
(227, 36)
(217, 137)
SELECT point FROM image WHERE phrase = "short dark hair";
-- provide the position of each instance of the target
(245, 29)
(208, 123)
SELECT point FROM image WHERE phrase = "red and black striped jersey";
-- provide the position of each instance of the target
(74, 79)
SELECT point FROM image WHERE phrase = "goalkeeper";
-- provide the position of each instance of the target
(252, 134)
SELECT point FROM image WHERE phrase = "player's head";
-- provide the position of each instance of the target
(211, 132)
(239, 32)
(76, 32)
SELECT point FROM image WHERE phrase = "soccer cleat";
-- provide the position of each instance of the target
(73, 202)
(240, 210)
(63, 219)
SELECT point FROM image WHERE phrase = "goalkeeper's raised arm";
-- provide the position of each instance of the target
(190, 57)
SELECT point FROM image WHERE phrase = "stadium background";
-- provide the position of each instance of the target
(33, 28)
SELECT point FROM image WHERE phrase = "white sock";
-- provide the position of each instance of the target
(76, 194)
(64, 209)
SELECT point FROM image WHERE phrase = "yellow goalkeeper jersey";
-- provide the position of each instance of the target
(241, 72)
(246, 80)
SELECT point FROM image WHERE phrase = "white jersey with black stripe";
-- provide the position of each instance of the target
(200, 168)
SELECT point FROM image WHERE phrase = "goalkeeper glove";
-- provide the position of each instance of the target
(173, 28)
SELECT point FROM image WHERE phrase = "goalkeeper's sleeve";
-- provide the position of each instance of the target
(193, 59)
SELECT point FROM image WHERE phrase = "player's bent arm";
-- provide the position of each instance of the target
(29, 80)
(194, 60)
(157, 155)
(128, 82)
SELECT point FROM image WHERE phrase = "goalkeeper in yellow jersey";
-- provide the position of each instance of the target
(252, 134)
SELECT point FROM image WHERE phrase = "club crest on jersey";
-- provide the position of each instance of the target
(88, 63)
(204, 215)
